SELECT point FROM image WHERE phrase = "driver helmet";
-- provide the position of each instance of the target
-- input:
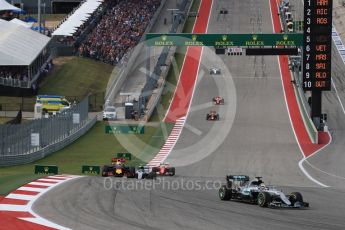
(262, 186)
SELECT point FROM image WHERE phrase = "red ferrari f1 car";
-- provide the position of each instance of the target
(218, 100)
(164, 169)
(212, 116)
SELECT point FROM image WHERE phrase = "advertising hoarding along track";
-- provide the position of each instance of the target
(318, 45)
(245, 40)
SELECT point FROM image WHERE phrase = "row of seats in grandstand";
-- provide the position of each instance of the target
(119, 30)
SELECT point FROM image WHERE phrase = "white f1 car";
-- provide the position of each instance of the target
(239, 188)
(215, 71)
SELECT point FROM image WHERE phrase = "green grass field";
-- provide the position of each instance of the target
(72, 77)
(94, 148)
(77, 77)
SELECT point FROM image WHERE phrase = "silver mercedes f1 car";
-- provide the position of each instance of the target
(240, 188)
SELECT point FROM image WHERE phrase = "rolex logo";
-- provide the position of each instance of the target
(224, 38)
(285, 37)
(90, 168)
(194, 37)
(164, 37)
(255, 37)
(46, 169)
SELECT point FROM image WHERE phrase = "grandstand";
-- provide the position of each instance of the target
(119, 30)
(77, 18)
(103, 30)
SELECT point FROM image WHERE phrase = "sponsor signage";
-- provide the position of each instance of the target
(91, 169)
(291, 39)
(125, 129)
(35, 139)
(76, 118)
(317, 50)
(46, 169)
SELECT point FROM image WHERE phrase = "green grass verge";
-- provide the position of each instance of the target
(78, 77)
(94, 148)
(174, 71)
(74, 78)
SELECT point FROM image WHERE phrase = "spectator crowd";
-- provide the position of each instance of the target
(17, 76)
(119, 30)
(13, 73)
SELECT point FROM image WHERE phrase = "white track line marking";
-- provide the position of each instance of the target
(41, 221)
(31, 189)
(48, 180)
(14, 207)
(336, 91)
(43, 184)
(193, 129)
(20, 196)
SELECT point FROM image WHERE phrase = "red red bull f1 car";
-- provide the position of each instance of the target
(118, 169)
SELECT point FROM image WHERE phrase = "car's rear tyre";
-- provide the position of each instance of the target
(264, 198)
(295, 197)
(218, 117)
(105, 170)
(224, 193)
(151, 175)
(155, 169)
(171, 171)
(131, 172)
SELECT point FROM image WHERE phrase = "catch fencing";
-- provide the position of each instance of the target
(27, 142)
(163, 61)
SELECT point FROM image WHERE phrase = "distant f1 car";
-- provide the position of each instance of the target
(218, 100)
(239, 188)
(118, 169)
(164, 169)
(215, 71)
(212, 116)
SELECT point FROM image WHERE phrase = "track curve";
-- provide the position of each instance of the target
(260, 142)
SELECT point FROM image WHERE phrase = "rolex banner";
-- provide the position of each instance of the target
(91, 169)
(46, 169)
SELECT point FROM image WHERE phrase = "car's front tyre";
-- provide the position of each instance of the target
(264, 198)
(295, 197)
(224, 193)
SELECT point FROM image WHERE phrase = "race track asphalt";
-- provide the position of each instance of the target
(253, 136)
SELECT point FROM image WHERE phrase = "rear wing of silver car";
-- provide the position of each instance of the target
(234, 181)
(242, 178)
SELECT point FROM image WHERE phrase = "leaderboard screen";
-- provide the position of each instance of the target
(317, 45)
